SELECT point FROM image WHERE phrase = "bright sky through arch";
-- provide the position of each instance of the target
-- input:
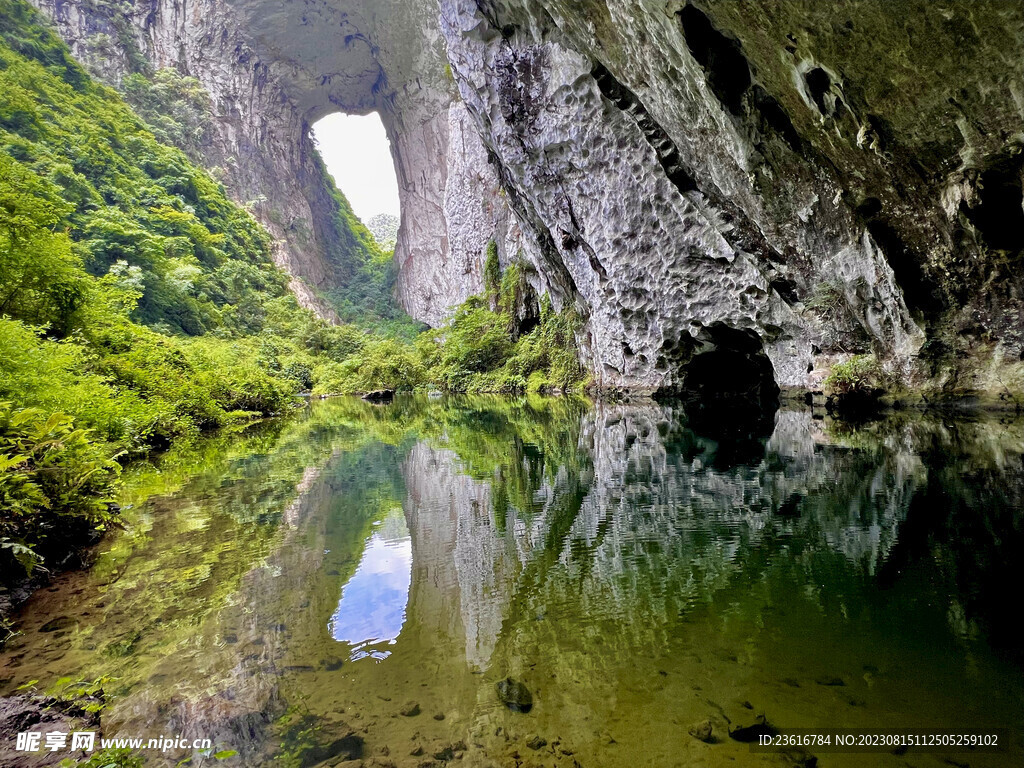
(357, 153)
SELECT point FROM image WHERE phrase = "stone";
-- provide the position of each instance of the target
(439, 715)
(380, 396)
(751, 733)
(535, 742)
(830, 680)
(409, 709)
(58, 624)
(30, 712)
(444, 754)
(701, 731)
(514, 695)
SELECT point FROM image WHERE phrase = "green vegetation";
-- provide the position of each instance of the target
(857, 381)
(52, 478)
(107, 758)
(477, 351)
(139, 306)
(492, 269)
(176, 108)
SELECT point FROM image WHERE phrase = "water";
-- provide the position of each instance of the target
(309, 579)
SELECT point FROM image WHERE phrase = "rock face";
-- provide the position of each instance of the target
(794, 183)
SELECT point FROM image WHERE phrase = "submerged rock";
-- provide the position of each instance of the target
(515, 695)
(409, 709)
(343, 745)
(58, 624)
(829, 680)
(380, 396)
(751, 733)
(702, 731)
(42, 714)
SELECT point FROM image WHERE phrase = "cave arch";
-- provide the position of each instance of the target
(729, 365)
(357, 152)
(729, 393)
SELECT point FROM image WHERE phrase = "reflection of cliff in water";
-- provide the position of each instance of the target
(652, 523)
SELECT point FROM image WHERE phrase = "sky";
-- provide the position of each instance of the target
(356, 151)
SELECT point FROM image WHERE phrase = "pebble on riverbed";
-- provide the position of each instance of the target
(752, 733)
(829, 680)
(409, 709)
(515, 695)
(533, 741)
(702, 731)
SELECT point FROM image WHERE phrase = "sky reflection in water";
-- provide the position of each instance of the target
(371, 611)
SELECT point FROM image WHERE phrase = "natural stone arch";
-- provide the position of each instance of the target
(272, 70)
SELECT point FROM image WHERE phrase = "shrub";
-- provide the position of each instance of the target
(492, 270)
(860, 376)
(54, 483)
(383, 364)
(476, 339)
(66, 376)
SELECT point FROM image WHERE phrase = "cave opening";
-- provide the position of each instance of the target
(357, 153)
(729, 392)
(999, 216)
(729, 365)
(721, 57)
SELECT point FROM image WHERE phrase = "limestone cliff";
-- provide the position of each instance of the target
(789, 183)
(271, 71)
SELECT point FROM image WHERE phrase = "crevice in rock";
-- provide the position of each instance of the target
(729, 76)
(920, 292)
(774, 117)
(559, 277)
(741, 233)
(664, 147)
(818, 85)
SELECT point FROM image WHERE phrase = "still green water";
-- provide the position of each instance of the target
(307, 580)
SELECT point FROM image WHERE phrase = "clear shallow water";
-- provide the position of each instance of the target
(638, 573)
